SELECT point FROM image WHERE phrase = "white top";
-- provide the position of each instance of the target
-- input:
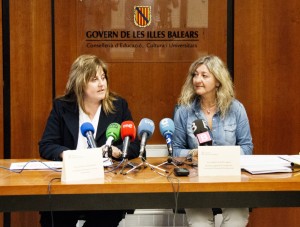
(83, 117)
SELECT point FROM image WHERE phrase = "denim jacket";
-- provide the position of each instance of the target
(234, 129)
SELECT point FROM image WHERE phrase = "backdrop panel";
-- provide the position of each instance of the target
(147, 65)
(143, 31)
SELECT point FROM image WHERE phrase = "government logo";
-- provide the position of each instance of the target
(142, 16)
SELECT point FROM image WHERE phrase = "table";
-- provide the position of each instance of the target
(144, 189)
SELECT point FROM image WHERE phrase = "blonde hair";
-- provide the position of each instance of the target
(224, 93)
(84, 68)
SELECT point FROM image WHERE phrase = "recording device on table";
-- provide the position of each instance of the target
(128, 134)
(112, 134)
(180, 172)
(145, 131)
(201, 132)
(87, 130)
(167, 128)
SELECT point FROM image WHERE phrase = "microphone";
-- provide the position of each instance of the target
(145, 131)
(201, 131)
(87, 130)
(112, 134)
(128, 133)
(167, 128)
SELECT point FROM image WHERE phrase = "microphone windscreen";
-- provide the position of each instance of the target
(199, 126)
(166, 126)
(146, 125)
(201, 131)
(86, 127)
(128, 129)
(113, 130)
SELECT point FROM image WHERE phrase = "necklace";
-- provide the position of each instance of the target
(208, 109)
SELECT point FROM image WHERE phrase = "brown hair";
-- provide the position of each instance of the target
(84, 68)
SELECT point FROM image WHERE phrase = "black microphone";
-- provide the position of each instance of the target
(87, 130)
(201, 131)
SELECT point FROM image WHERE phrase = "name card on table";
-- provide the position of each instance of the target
(82, 165)
(219, 161)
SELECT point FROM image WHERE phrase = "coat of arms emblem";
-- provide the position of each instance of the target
(142, 16)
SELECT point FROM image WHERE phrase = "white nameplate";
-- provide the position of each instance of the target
(219, 161)
(82, 165)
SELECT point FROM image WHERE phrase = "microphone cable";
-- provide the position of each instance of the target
(175, 183)
(50, 200)
(114, 167)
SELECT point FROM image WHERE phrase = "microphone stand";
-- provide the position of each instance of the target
(171, 160)
(126, 142)
(123, 166)
(144, 163)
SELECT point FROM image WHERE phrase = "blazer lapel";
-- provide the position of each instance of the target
(103, 123)
(71, 117)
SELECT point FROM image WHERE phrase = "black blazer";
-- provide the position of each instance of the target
(62, 128)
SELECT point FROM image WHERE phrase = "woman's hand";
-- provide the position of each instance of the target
(116, 152)
(194, 152)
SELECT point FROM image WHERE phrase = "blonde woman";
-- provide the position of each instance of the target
(87, 99)
(208, 94)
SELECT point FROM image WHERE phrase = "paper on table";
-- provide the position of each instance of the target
(82, 165)
(293, 159)
(219, 161)
(263, 160)
(259, 164)
(267, 169)
(35, 164)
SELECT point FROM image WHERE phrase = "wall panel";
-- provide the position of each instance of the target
(217, 35)
(266, 69)
(65, 41)
(31, 75)
(151, 88)
(31, 82)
